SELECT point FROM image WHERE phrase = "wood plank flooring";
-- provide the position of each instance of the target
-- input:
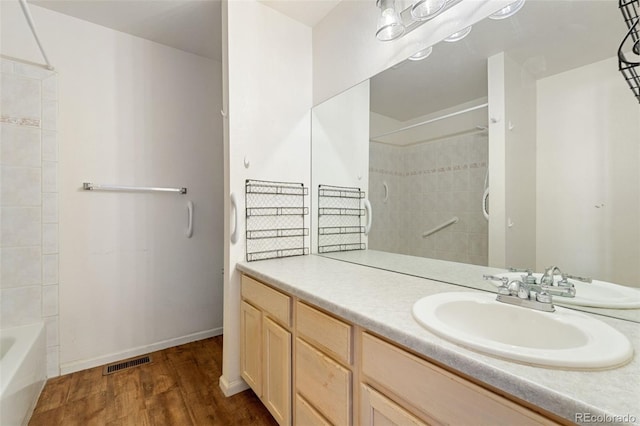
(180, 387)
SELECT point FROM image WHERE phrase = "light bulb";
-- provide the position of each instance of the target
(508, 10)
(421, 10)
(421, 54)
(458, 35)
(390, 25)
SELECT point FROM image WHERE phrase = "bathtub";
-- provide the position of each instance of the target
(23, 372)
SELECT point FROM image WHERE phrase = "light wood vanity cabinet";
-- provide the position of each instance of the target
(378, 410)
(265, 346)
(251, 344)
(344, 375)
(433, 394)
(323, 377)
(307, 415)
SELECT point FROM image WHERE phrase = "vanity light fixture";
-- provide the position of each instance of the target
(508, 11)
(422, 10)
(396, 21)
(457, 36)
(421, 54)
(399, 17)
(390, 25)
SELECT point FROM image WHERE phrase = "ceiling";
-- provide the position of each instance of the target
(309, 12)
(190, 25)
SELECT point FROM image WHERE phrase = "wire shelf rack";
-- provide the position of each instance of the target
(275, 217)
(630, 69)
(339, 219)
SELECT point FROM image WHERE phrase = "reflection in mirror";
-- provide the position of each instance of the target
(426, 183)
(533, 108)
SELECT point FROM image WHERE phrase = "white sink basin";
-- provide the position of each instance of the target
(563, 338)
(596, 294)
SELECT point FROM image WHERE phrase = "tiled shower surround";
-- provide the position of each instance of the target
(428, 184)
(29, 201)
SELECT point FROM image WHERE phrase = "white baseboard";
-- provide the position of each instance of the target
(232, 387)
(72, 367)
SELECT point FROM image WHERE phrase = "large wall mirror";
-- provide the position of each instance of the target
(518, 146)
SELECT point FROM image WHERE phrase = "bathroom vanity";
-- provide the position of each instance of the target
(328, 342)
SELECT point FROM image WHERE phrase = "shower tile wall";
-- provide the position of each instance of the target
(428, 184)
(29, 201)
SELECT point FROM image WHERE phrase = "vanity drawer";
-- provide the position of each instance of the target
(326, 332)
(438, 393)
(307, 415)
(324, 383)
(376, 409)
(274, 303)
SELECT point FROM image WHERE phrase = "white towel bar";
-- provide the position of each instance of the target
(441, 227)
(87, 186)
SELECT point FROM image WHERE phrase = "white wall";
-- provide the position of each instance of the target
(520, 154)
(131, 112)
(588, 185)
(497, 160)
(268, 99)
(512, 164)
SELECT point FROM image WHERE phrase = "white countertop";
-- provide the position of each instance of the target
(381, 301)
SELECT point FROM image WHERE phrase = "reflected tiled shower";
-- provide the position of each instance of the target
(426, 185)
(29, 201)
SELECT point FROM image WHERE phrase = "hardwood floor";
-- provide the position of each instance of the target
(180, 387)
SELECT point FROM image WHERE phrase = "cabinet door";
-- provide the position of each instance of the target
(277, 371)
(251, 346)
(377, 410)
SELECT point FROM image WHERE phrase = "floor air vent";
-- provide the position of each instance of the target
(119, 366)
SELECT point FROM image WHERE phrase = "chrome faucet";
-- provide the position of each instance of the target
(531, 291)
(523, 293)
(563, 287)
(549, 273)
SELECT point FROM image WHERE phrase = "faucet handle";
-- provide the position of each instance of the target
(544, 297)
(502, 289)
(577, 278)
(504, 280)
(516, 288)
(564, 282)
(559, 290)
(527, 270)
(529, 278)
(519, 289)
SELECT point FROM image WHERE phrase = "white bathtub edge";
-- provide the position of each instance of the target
(24, 373)
(34, 403)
